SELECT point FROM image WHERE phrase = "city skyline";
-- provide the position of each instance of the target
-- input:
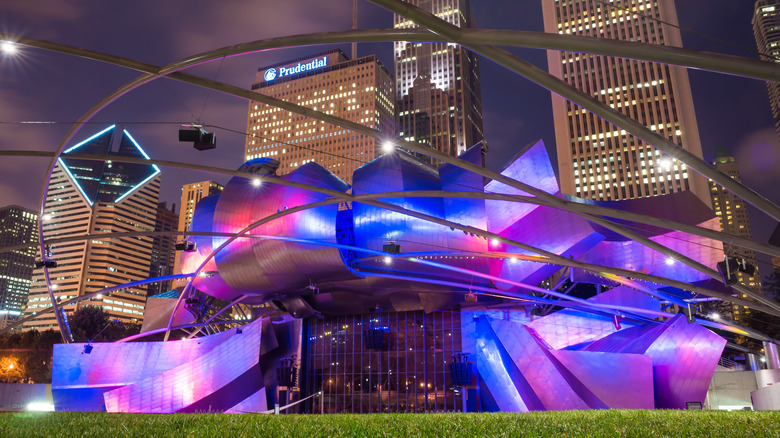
(515, 114)
(596, 159)
(87, 197)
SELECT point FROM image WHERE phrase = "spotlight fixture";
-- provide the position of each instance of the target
(471, 297)
(388, 260)
(87, 349)
(44, 262)
(257, 182)
(239, 331)
(388, 147)
(391, 247)
(201, 139)
(185, 245)
(729, 267)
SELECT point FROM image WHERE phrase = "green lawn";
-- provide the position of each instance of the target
(611, 423)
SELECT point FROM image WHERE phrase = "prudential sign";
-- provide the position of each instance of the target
(273, 73)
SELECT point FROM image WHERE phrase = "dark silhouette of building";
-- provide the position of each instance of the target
(163, 247)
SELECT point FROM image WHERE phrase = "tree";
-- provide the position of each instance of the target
(87, 322)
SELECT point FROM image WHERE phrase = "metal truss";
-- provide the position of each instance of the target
(482, 42)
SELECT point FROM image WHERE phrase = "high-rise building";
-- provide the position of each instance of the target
(94, 197)
(733, 220)
(191, 194)
(600, 161)
(18, 225)
(774, 239)
(163, 248)
(766, 28)
(438, 94)
(360, 90)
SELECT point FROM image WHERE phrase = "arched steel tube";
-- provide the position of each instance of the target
(178, 327)
(353, 198)
(727, 325)
(89, 295)
(584, 100)
(460, 163)
(726, 238)
(196, 80)
(701, 60)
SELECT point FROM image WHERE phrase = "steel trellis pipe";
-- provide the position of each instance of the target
(560, 87)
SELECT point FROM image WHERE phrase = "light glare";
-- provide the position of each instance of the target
(388, 260)
(8, 48)
(388, 147)
(40, 406)
(257, 182)
(669, 261)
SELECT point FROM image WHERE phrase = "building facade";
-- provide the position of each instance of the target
(360, 90)
(163, 248)
(18, 225)
(766, 28)
(191, 194)
(734, 220)
(438, 93)
(93, 197)
(600, 161)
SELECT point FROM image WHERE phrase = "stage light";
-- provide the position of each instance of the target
(388, 260)
(9, 48)
(495, 242)
(87, 349)
(669, 261)
(714, 315)
(257, 182)
(40, 406)
(388, 147)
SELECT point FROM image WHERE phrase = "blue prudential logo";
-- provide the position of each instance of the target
(270, 74)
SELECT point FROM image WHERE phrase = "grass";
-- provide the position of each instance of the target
(611, 423)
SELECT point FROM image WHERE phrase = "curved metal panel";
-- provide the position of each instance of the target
(263, 267)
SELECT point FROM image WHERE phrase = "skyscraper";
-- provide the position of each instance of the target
(191, 194)
(597, 160)
(18, 225)
(438, 94)
(766, 28)
(93, 197)
(360, 90)
(733, 220)
(163, 248)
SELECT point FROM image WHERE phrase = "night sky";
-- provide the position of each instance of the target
(42, 86)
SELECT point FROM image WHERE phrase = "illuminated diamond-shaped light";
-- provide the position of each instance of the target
(107, 181)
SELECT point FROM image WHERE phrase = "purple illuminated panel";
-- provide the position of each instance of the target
(684, 357)
(521, 372)
(159, 376)
(532, 166)
(571, 327)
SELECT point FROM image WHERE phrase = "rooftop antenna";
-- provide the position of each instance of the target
(354, 27)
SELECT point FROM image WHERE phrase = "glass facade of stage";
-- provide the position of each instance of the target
(382, 362)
